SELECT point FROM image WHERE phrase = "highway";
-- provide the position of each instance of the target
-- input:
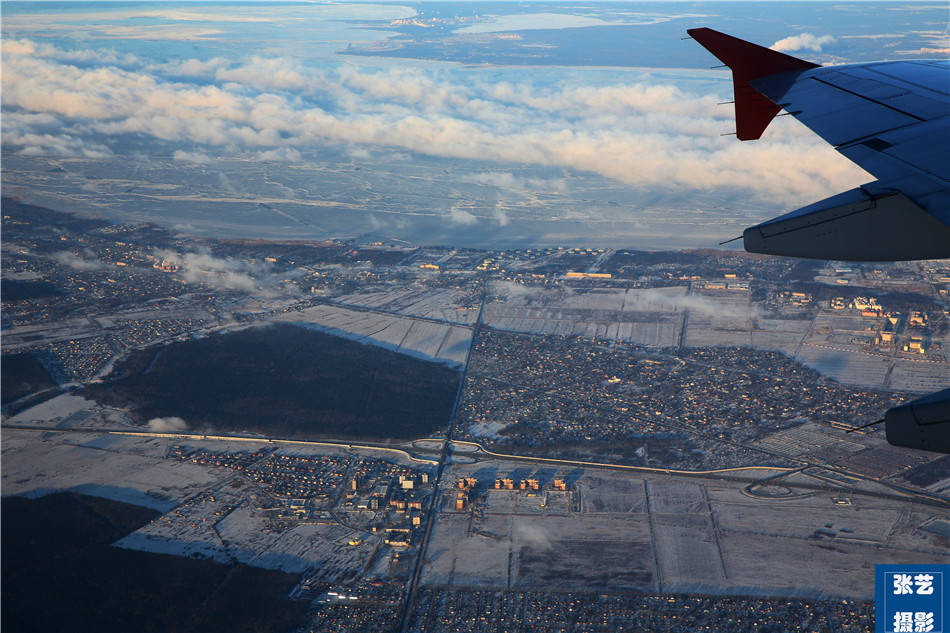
(730, 474)
(800, 463)
(446, 449)
(412, 588)
(258, 439)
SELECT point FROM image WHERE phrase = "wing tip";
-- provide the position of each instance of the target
(748, 61)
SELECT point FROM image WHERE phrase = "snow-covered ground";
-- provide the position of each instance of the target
(419, 338)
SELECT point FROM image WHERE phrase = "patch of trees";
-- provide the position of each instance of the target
(21, 375)
(286, 381)
(16, 290)
(61, 574)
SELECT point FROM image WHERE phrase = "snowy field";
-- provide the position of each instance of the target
(650, 317)
(208, 511)
(433, 303)
(423, 339)
(133, 470)
(657, 533)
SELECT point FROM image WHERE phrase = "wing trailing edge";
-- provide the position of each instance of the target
(856, 225)
(748, 62)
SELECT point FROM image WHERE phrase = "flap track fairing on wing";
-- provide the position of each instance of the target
(854, 225)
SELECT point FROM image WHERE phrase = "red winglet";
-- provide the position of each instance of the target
(749, 61)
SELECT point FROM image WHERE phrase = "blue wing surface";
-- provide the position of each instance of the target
(891, 118)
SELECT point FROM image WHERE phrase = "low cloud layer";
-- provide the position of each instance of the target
(637, 300)
(530, 535)
(708, 306)
(461, 216)
(191, 157)
(635, 130)
(222, 273)
(77, 262)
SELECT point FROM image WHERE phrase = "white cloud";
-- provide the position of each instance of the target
(42, 49)
(281, 154)
(190, 67)
(461, 216)
(227, 273)
(939, 43)
(19, 47)
(508, 181)
(802, 41)
(501, 215)
(191, 157)
(263, 72)
(217, 272)
(157, 32)
(533, 535)
(874, 36)
(643, 134)
(166, 425)
(651, 298)
(77, 262)
(56, 145)
(505, 180)
(179, 15)
(359, 153)
(403, 85)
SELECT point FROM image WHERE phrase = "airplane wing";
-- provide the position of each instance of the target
(891, 118)
(922, 423)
